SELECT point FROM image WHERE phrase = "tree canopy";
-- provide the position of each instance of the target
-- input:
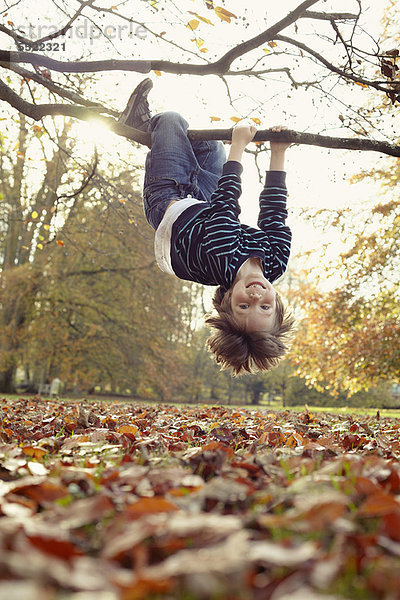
(309, 46)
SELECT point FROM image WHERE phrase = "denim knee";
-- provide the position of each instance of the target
(168, 117)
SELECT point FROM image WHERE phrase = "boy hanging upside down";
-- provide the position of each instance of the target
(190, 198)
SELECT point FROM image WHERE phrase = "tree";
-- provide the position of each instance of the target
(280, 49)
(27, 207)
(354, 329)
(354, 339)
(80, 295)
(104, 315)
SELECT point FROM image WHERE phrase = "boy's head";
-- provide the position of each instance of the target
(253, 303)
(251, 329)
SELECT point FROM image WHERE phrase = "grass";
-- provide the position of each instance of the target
(351, 410)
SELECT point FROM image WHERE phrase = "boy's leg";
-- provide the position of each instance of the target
(170, 165)
(211, 157)
(158, 189)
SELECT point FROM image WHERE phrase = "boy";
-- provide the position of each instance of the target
(190, 198)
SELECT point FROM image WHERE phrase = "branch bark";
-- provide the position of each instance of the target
(309, 139)
(38, 111)
(309, 14)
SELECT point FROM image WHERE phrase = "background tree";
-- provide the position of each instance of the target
(354, 328)
(104, 314)
(28, 200)
(80, 295)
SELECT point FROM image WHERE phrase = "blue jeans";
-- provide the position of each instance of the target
(177, 167)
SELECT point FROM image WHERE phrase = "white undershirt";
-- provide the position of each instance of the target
(162, 240)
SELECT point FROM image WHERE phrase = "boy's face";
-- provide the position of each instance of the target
(253, 303)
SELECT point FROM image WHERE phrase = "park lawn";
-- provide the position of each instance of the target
(130, 501)
(343, 410)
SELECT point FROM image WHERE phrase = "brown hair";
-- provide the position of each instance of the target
(246, 351)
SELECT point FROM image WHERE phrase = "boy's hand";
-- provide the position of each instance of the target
(279, 146)
(277, 160)
(243, 134)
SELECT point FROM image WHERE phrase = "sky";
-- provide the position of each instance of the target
(317, 178)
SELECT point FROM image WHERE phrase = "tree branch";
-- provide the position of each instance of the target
(130, 20)
(296, 137)
(38, 111)
(55, 88)
(330, 66)
(309, 14)
(17, 37)
(269, 34)
(67, 26)
(140, 66)
(219, 67)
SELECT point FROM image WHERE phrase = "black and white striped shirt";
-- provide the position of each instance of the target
(209, 244)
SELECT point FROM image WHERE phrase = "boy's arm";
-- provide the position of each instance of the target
(223, 225)
(272, 220)
(225, 198)
(278, 149)
(273, 210)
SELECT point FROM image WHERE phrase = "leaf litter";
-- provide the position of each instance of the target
(129, 501)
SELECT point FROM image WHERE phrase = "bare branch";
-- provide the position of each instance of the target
(17, 37)
(330, 66)
(64, 29)
(140, 66)
(309, 14)
(269, 34)
(219, 67)
(55, 88)
(38, 111)
(296, 137)
(346, 46)
(130, 20)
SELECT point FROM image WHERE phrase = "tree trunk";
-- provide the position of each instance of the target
(7, 383)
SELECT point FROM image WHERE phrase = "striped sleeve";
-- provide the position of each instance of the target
(221, 231)
(272, 219)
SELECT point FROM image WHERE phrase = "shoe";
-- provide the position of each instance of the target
(137, 113)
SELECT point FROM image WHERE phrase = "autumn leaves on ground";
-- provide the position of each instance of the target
(109, 501)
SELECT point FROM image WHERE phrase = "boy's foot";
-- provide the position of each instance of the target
(137, 112)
